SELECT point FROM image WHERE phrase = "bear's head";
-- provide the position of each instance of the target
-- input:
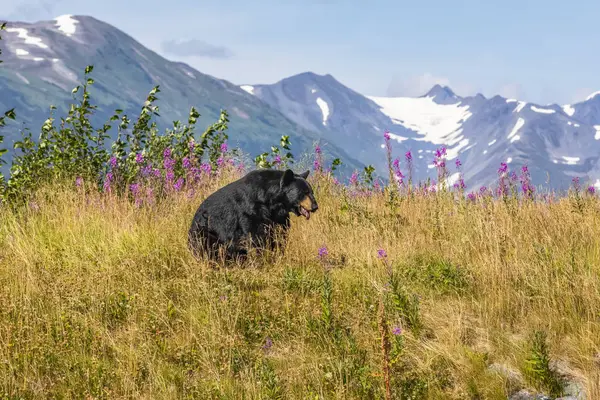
(297, 193)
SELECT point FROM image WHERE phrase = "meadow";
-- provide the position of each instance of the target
(401, 290)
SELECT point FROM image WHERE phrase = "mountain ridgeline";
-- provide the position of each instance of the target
(45, 60)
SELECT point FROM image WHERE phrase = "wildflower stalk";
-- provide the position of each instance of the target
(385, 349)
(388, 154)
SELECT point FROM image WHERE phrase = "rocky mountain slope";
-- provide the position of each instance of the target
(44, 61)
(556, 142)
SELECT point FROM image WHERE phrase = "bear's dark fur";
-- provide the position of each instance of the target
(247, 212)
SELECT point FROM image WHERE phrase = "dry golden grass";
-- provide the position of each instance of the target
(101, 299)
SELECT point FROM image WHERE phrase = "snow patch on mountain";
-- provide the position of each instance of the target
(21, 52)
(597, 135)
(23, 34)
(513, 134)
(591, 96)
(434, 121)
(452, 179)
(542, 110)
(23, 78)
(324, 109)
(571, 160)
(248, 88)
(66, 24)
(568, 109)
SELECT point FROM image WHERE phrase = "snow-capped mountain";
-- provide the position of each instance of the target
(557, 143)
(44, 61)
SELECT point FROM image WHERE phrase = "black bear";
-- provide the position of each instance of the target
(247, 212)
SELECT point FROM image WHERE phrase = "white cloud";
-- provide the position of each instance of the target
(195, 47)
(511, 91)
(28, 10)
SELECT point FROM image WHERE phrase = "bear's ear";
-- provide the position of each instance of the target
(304, 175)
(287, 178)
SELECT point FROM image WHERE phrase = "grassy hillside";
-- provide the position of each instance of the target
(406, 291)
(102, 299)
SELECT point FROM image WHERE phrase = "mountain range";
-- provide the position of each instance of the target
(44, 61)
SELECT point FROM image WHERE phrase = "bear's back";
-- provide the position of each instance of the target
(252, 187)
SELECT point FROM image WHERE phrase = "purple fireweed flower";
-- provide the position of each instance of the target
(471, 196)
(386, 135)
(381, 253)
(224, 147)
(458, 163)
(268, 344)
(178, 185)
(192, 145)
(186, 162)
(317, 165)
(323, 252)
(107, 181)
(220, 162)
(526, 186)
(139, 158)
(576, 185)
(397, 173)
(206, 168)
(408, 156)
(78, 181)
(134, 188)
(167, 153)
(169, 175)
(460, 184)
(397, 331)
(113, 162)
(591, 190)
(503, 168)
(168, 163)
(318, 149)
(354, 178)
(146, 170)
(440, 162)
(277, 159)
(156, 172)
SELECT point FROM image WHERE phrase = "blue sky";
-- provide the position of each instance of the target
(539, 51)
